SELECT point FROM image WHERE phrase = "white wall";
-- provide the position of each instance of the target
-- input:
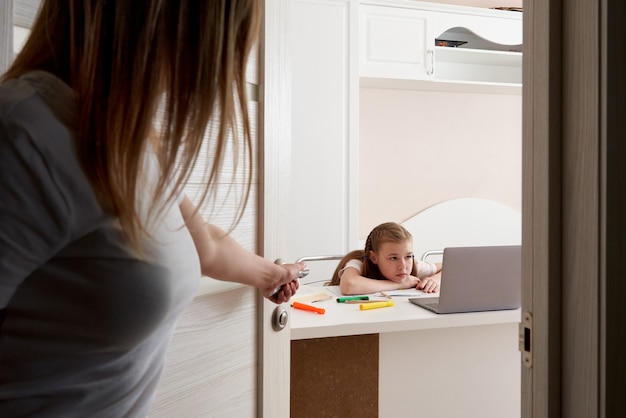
(418, 148)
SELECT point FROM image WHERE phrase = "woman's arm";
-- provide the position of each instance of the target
(352, 283)
(222, 258)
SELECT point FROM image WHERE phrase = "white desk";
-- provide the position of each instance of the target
(454, 365)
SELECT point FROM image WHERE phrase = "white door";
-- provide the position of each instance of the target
(309, 110)
(226, 359)
(322, 50)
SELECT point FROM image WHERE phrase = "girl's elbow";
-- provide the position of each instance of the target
(346, 288)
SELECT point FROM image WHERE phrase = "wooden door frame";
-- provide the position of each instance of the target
(574, 232)
(540, 215)
(613, 134)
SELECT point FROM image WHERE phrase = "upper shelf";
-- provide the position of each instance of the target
(454, 48)
(465, 38)
(463, 86)
(472, 58)
(478, 57)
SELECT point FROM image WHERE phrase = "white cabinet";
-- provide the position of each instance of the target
(322, 209)
(395, 43)
(406, 41)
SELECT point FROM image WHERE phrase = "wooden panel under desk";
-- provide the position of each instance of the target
(336, 376)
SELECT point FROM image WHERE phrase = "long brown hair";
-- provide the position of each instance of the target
(126, 59)
(385, 232)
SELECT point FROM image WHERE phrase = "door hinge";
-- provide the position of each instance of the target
(525, 339)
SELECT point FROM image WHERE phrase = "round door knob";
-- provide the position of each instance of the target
(280, 318)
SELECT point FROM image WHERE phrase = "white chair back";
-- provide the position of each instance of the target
(464, 222)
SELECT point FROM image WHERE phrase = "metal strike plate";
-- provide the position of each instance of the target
(525, 339)
(280, 317)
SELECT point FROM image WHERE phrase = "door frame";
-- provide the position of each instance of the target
(274, 349)
(574, 231)
(541, 225)
(6, 35)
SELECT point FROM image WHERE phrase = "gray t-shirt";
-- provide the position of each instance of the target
(84, 324)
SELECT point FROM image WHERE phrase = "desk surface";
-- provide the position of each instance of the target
(342, 319)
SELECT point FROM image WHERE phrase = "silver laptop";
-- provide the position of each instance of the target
(478, 279)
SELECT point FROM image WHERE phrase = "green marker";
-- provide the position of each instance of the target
(342, 300)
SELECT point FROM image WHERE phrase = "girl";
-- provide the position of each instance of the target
(386, 263)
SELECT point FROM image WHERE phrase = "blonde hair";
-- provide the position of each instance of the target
(386, 232)
(122, 59)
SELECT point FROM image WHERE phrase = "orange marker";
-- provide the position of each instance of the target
(304, 307)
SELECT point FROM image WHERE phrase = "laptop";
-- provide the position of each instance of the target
(475, 279)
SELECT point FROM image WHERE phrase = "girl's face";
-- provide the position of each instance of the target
(394, 259)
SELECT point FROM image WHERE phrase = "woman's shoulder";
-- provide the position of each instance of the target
(38, 103)
(31, 130)
(13, 93)
(37, 150)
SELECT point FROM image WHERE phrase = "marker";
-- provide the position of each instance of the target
(384, 304)
(354, 302)
(305, 307)
(345, 299)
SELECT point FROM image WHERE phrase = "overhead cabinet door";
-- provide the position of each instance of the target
(395, 43)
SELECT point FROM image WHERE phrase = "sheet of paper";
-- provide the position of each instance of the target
(414, 293)
(310, 294)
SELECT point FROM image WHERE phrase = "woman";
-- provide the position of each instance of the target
(100, 251)
(386, 263)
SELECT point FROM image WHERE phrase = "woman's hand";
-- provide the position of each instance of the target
(285, 293)
(430, 284)
(289, 273)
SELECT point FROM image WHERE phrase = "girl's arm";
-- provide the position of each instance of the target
(430, 276)
(427, 269)
(352, 283)
(430, 284)
(222, 258)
